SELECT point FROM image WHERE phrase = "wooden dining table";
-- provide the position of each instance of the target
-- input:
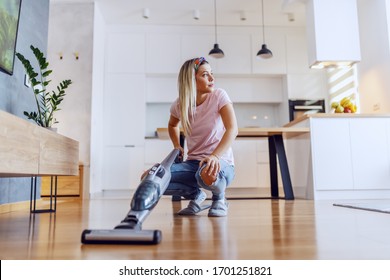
(276, 151)
(277, 154)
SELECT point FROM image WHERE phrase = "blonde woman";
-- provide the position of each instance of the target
(207, 118)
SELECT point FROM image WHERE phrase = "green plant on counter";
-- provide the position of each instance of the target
(47, 101)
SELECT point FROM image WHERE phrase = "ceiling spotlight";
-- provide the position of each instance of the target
(146, 13)
(291, 17)
(196, 14)
(242, 15)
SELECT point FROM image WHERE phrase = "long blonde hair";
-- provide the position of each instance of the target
(186, 84)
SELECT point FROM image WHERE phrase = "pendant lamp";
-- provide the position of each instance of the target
(264, 52)
(216, 52)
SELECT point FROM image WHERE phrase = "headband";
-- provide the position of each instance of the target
(199, 62)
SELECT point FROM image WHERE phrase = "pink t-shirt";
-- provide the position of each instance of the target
(207, 127)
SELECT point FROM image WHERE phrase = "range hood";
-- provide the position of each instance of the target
(332, 33)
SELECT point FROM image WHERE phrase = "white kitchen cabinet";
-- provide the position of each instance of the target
(236, 47)
(252, 89)
(331, 152)
(163, 53)
(312, 85)
(370, 159)
(350, 154)
(252, 164)
(262, 156)
(245, 158)
(125, 53)
(262, 150)
(123, 130)
(161, 89)
(156, 150)
(296, 58)
(264, 178)
(197, 45)
(263, 168)
(299, 162)
(122, 167)
(237, 59)
(350, 157)
(124, 109)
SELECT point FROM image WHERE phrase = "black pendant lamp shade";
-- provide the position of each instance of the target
(216, 52)
(264, 52)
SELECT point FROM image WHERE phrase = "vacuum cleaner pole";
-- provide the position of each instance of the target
(145, 198)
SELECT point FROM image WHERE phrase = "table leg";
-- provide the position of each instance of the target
(273, 168)
(284, 171)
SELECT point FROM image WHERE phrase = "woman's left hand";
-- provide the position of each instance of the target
(212, 165)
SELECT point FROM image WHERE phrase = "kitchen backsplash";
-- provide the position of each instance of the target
(248, 115)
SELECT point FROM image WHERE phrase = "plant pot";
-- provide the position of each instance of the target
(54, 129)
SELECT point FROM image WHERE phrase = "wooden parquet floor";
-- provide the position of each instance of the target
(254, 229)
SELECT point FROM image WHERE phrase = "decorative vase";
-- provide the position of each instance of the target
(54, 129)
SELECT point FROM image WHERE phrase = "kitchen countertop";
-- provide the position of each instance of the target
(335, 115)
(288, 130)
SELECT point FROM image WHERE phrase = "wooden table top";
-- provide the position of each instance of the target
(162, 132)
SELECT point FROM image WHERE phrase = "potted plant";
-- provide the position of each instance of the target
(47, 101)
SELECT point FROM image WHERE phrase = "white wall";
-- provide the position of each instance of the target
(70, 32)
(97, 102)
(374, 68)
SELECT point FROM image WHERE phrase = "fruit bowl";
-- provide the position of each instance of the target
(346, 105)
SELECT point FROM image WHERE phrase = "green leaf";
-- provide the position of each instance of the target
(47, 73)
(33, 75)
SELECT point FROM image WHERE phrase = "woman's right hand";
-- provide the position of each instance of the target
(181, 154)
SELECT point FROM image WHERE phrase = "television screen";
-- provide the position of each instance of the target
(9, 21)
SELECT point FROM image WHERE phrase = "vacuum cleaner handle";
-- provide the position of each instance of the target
(152, 187)
(170, 159)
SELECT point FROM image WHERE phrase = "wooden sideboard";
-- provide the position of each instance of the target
(28, 150)
(68, 186)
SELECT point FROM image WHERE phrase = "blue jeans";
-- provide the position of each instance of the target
(186, 180)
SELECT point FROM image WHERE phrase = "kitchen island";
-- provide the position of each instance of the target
(345, 156)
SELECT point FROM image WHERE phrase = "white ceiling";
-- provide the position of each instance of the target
(180, 12)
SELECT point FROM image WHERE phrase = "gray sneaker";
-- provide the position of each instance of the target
(194, 207)
(219, 208)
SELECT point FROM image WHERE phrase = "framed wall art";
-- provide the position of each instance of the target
(9, 22)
